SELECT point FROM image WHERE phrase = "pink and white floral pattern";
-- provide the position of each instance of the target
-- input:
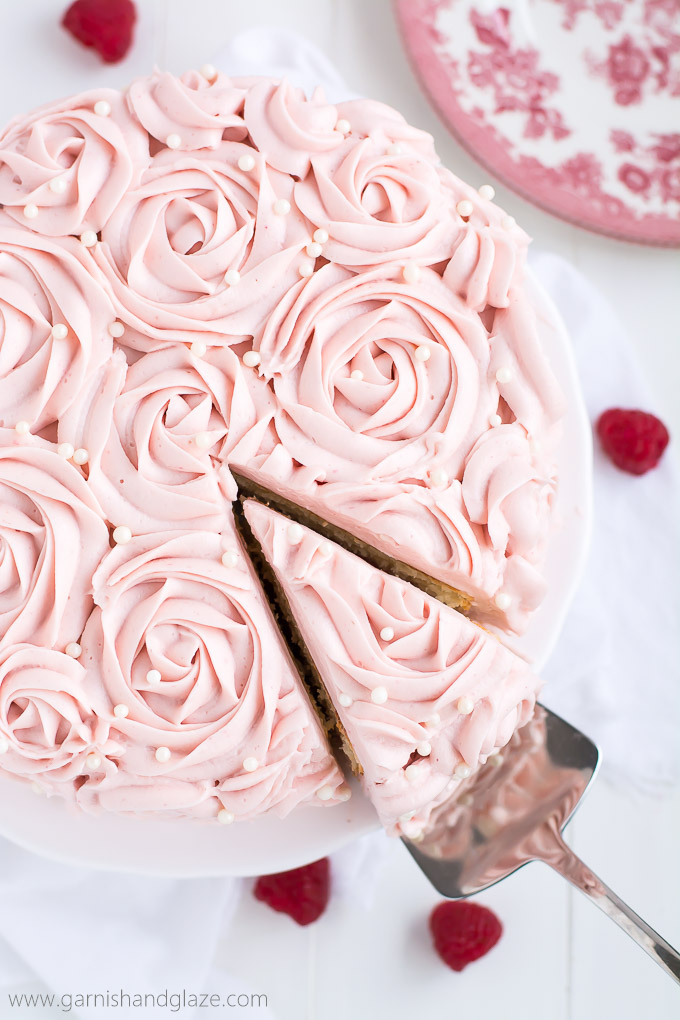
(584, 122)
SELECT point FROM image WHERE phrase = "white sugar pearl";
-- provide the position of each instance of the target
(232, 277)
(314, 250)
(394, 149)
(357, 374)
(162, 754)
(102, 108)
(504, 374)
(379, 695)
(325, 792)
(73, 649)
(412, 830)
(343, 792)
(294, 533)
(465, 207)
(411, 272)
(153, 676)
(495, 420)
(503, 600)
(412, 772)
(122, 535)
(93, 761)
(22, 428)
(58, 185)
(306, 269)
(198, 349)
(325, 548)
(495, 760)
(320, 235)
(487, 191)
(433, 721)
(225, 817)
(465, 705)
(59, 331)
(344, 700)
(209, 72)
(251, 359)
(65, 450)
(281, 207)
(88, 238)
(173, 141)
(203, 440)
(423, 353)
(4, 745)
(508, 222)
(81, 456)
(343, 126)
(387, 633)
(424, 748)
(229, 558)
(439, 478)
(30, 211)
(246, 162)
(121, 711)
(462, 770)
(116, 328)
(250, 764)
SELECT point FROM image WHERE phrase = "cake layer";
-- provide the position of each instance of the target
(423, 694)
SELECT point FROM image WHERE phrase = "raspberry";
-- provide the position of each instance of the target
(104, 24)
(633, 440)
(301, 893)
(463, 931)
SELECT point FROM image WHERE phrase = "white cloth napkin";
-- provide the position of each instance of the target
(79, 930)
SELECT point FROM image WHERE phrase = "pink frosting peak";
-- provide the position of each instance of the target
(420, 690)
(199, 112)
(72, 162)
(288, 127)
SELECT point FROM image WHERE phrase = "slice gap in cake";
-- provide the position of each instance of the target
(291, 634)
(380, 560)
(422, 695)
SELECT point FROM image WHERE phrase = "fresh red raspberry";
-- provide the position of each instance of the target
(633, 440)
(302, 893)
(463, 931)
(107, 25)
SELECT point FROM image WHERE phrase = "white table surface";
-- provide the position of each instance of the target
(559, 959)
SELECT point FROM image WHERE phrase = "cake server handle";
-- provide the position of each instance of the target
(564, 861)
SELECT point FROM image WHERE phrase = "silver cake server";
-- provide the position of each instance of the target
(513, 811)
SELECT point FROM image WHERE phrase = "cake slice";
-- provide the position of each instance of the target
(422, 695)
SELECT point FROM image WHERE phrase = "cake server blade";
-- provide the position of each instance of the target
(513, 811)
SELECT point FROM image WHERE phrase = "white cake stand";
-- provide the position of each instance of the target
(192, 849)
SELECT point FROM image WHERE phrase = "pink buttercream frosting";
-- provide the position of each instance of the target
(204, 274)
(396, 663)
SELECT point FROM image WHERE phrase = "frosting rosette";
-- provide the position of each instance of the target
(159, 431)
(198, 251)
(199, 112)
(52, 536)
(379, 204)
(288, 127)
(72, 162)
(376, 378)
(47, 725)
(54, 321)
(215, 716)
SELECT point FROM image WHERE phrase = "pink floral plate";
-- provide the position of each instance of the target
(573, 103)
